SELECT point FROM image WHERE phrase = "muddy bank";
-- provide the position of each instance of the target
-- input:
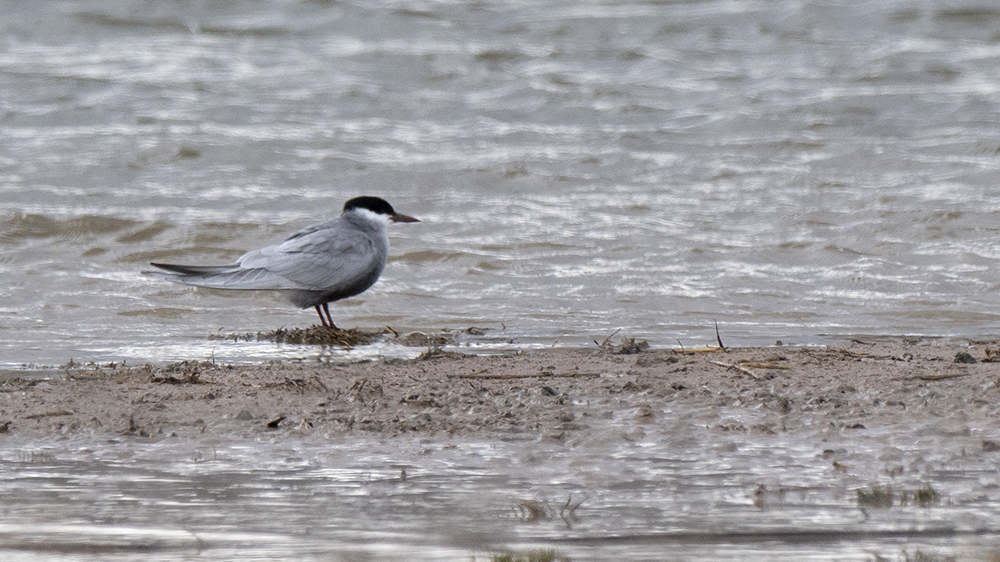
(871, 450)
(551, 394)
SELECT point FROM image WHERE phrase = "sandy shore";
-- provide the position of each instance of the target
(537, 394)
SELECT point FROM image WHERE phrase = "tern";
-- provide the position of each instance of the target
(317, 265)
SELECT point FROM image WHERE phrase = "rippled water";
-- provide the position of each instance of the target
(791, 169)
(679, 491)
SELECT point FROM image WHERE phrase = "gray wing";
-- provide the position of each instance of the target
(220, 277)
(317, 258)
(321, 257)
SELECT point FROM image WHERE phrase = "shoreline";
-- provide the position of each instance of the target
(529, 395)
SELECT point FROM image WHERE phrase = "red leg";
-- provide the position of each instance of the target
(321, 319)
(329, 324)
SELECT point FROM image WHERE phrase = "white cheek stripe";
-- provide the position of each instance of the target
(374, 217)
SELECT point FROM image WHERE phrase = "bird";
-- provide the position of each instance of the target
(317, 265)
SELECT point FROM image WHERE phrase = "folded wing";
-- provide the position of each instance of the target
(317, 258)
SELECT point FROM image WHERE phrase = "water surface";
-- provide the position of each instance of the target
(794, 170)
(678, 491)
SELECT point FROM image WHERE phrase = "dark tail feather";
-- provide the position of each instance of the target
(195, 269)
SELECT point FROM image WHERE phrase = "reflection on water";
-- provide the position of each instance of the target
(606, 494)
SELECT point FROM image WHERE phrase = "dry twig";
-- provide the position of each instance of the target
(736, 367)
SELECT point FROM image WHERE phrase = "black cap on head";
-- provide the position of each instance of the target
(373, 204)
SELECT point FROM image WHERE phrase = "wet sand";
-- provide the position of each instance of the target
(867, 448)
(549, 394)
